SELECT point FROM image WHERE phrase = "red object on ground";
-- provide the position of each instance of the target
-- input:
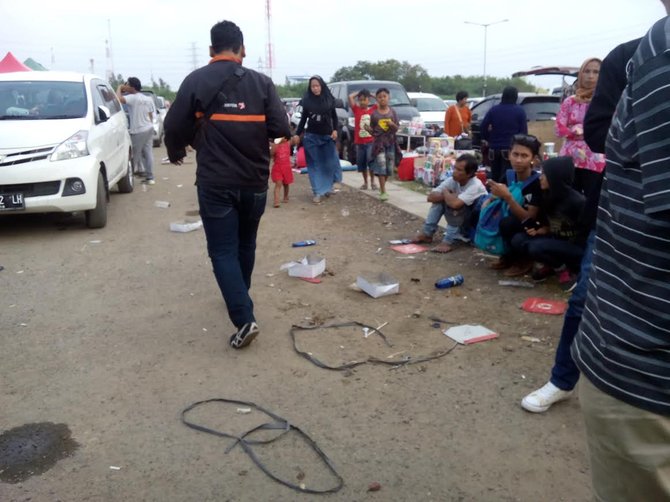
(406, 169)
(313, 280)
(542, 306)
(300, 160)
(409, 248)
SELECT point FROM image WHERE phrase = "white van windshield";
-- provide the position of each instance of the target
(41, 100)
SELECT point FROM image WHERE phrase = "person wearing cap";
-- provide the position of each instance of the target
(141, 110)
(229, 113)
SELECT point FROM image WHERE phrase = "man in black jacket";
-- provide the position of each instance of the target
(229, 114)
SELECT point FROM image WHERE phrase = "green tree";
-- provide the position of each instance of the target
(416, 78)
(292, 90)
(413, 77)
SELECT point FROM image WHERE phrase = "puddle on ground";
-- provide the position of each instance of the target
(33, 449)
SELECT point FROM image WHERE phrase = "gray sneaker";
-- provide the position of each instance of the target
(244, 336)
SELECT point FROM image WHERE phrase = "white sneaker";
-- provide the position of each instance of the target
(541, 400)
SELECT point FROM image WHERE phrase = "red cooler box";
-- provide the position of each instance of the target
(406, 169)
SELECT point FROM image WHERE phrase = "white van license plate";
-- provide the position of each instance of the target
(11, 202)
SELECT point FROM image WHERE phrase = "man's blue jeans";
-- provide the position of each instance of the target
(565, 373)
(454, 222)
(230, 218)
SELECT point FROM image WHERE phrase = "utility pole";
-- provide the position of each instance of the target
(486, 27)
(269, 63)
(110, 55)
(194, 56)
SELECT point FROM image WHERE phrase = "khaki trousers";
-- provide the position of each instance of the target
(629, 448)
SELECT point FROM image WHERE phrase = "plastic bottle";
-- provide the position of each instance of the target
(302, 244)
(448, 282)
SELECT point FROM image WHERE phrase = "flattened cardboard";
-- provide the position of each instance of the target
(409, 248)
(377, 285)
(543, 306)
(468, 334)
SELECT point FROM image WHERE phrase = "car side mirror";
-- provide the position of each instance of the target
(339, 103)
(104, 113)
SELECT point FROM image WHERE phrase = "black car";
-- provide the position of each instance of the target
(538, 107)
(341, 90)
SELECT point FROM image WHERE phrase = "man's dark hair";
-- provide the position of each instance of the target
(460, 95)
(226, 36)
(509, 95)
(363, 93)
(135, 83)
(527, 140)
(471, 164)
(382, 89)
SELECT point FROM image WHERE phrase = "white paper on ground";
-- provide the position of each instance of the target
(467, 334)
(180, 226)
(377, 285)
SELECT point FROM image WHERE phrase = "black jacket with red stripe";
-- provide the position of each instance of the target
(228, 114)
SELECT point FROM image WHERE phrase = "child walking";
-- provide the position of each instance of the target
(362, 137)
(281, 172)
(383, 126)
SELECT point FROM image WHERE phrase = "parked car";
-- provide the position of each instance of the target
(431, 107)
(538, 107)
(568, 76)
(290, 104)
(158, 117)
(64, 144)
(399, 100)
(473, 101)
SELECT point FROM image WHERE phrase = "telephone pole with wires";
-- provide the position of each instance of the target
(269, 56)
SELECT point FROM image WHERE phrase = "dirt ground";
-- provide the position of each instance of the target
(114, 332)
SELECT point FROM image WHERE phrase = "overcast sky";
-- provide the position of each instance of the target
(167, 39)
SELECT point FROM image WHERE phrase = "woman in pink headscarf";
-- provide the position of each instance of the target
(570, 125)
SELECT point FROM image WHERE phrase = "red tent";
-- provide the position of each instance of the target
(9, 64)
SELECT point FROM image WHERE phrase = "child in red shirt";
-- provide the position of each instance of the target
(362, 138)
(281, 173)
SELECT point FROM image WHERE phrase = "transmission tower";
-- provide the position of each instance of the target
(269, 56)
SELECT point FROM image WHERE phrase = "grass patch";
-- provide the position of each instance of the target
(414, 186)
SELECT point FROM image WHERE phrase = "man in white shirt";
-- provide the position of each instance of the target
(453, 199)
(141, 110)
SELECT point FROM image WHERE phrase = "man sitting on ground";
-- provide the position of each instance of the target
(454, 199)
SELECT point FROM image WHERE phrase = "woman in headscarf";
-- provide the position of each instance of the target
(319, 123)
(498, 128)
(570, 125)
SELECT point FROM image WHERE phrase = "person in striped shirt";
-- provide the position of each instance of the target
(623, 343)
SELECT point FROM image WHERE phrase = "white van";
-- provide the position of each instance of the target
(64, 143)
(431, 108)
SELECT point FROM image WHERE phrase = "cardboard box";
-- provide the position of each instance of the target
(377, 285)
(309, 267)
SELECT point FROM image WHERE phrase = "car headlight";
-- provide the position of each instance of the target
(72, 148)
(352, 122)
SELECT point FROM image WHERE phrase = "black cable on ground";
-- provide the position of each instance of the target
(279, 423)
(372, 360)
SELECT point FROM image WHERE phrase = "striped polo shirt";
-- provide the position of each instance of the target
(623, 343)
